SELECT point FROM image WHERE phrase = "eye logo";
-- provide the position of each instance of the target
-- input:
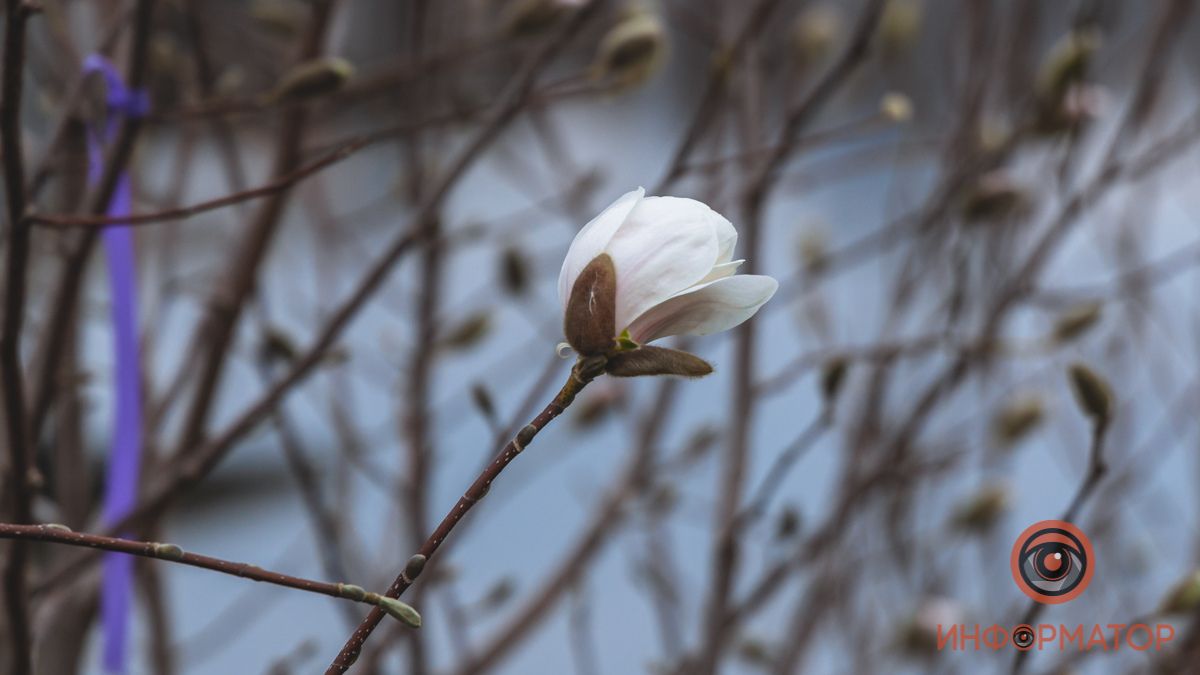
(1052, 561)
(1022, 637)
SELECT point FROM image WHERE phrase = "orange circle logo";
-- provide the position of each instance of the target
(1052, 562)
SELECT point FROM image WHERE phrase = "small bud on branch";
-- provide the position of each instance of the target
(1092, 392)
(648, 360)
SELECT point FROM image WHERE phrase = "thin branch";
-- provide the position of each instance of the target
(581, 374)
(1097, 468)
(784, 461)
(607, 518)
(273, 187)
(60, 534)
(66, 293)
(710, 100)
(16, 602)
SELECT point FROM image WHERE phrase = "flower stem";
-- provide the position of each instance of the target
(584, 371)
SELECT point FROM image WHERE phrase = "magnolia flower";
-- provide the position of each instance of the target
(651, 267)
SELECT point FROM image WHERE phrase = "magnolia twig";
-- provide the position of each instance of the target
(590, 543)
(60, 534)
(582, 373)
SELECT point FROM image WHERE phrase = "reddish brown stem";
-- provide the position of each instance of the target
(148, 549)
(581, 374)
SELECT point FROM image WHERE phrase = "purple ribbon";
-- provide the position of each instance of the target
(121, 487)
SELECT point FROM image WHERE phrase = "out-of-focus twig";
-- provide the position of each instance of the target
(11, 377)
(273, 187)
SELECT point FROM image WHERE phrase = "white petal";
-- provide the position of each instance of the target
(722, 270)
(667, 245)
(592, 239)
(726, 239)
(713, 307)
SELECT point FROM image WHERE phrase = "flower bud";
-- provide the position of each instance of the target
(981, 511)
(399, 610)
(815, 31)
(814, 250)
(483, 401)
(514, 274)
(1076, 321)
(167, 551)
(899, 25)
(1065, 65)
(526, 435)
(650, 360)
(1016, 420)
(632, 50)
(788, 524)
(1183, 597)
(755, 651)
(276, 347)
(500, 593)
(832, 377)
(313, 78)
(468, 333)
(414, 567)
(531, 18)
(280, 17)
(995, 196)
(896, 107)
(1092, 392)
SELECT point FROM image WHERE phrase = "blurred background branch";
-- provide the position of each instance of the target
(350, 215)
